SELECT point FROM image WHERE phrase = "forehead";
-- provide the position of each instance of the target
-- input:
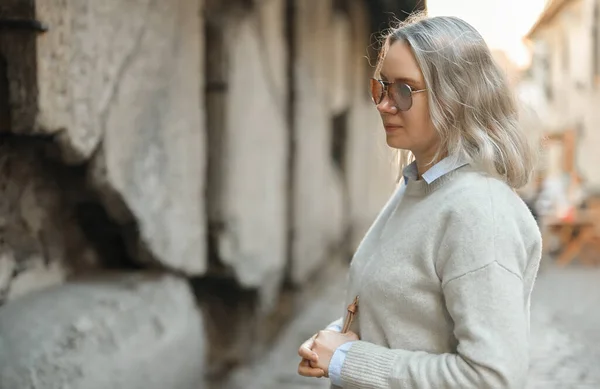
(400, 63)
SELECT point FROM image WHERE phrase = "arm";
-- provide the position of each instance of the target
(481, 270)
(488, 308)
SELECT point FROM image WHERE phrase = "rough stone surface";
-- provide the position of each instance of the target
(41, 241)
(140, 331)
(121, 83)
(151, 160)
(341, 55)
(82, 61)
(252, 200)
(319, 223)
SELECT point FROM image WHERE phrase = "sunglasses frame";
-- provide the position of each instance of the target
(385, 91)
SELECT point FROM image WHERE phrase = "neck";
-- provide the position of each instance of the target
(425, 163)
(422, 167)
(425, 158)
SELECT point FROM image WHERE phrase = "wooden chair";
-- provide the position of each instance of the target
(590, 252)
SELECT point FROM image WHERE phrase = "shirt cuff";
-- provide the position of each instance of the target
(334, 327)
(336, 363)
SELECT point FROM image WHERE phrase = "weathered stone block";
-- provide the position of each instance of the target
(249, 165)
(137, 331)
(319, 219)
(121, 82)
(340, 81)
(151, 161)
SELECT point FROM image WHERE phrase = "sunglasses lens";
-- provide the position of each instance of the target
(376, 91)
(403, 96)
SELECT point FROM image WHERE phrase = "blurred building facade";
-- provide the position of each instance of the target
(563, 88)
(174, 176)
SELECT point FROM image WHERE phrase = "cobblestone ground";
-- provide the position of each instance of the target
(565, 331)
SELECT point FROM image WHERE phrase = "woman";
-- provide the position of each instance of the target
(445, 273)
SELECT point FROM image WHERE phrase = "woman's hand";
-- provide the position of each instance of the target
(309, 359)
(323, 347)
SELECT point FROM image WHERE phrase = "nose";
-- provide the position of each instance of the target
(387, 106)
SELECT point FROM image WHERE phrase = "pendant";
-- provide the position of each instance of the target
(352, 310)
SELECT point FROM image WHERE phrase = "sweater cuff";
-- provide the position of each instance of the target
(337, 362)
(368, 366)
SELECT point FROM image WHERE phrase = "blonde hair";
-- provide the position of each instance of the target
(471, 105)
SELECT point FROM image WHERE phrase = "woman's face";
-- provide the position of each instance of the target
(412, 129)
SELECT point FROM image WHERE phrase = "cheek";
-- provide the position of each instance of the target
(419, 125)
(417, 120)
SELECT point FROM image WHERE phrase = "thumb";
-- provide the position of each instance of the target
(305, 351)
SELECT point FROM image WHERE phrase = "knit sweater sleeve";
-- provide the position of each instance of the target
(482, 281)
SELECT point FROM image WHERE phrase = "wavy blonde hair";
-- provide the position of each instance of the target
(471, 105)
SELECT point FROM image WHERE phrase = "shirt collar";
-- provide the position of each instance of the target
(438, 170)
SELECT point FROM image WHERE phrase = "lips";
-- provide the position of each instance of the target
(391, 127)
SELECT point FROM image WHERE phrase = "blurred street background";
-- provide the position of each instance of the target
(183, 183)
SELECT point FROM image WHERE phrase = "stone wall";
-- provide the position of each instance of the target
(102, 170)
(175, 179)
(318, 202)
(249, 141)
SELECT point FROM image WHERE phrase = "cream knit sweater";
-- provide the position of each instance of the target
(444, 276)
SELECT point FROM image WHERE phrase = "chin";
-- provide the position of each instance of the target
(396, 142)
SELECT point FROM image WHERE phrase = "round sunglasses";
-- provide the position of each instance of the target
(400, 93)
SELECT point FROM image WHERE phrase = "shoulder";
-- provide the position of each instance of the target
(476, 195)
(486, 221)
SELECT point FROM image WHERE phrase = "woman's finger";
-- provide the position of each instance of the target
(305, 370)
(308, 354)
(305, 351)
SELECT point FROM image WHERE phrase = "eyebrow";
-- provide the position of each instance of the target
(407, 80)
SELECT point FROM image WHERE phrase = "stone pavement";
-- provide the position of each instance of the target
(566, 329)
(565, 344)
